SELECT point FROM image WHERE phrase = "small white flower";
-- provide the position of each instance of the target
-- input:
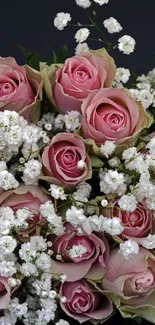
(59, 122)
(77, 251)
(7, 245)
(3, 166)
(149, 242)
(83, 3)
(101, 2)
(57, 192)
(52, 294)
(104, 203)
(75, 216)
(72, 120)
(63, 278)
(126, 44)
(108, 148)
(12, 282)
(81, 164)
(63, 299)
(129, 249)
(112, 226)
(7, 180)
(128, 203)
(114, 162)
(81, 48)
(112, 25)
(129, 153)
(61, 20)
(122, 76)
(82, 34)
(62, 322)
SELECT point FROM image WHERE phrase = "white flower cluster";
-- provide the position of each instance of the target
(77, 251)
(70, 121)
(14, 311)
(61, 20)
(82, 34)
(112, 25)
(112, 182)
(122, 76)
(35, 258)
(108, 148)
(126, 44)
(19, 137)
(41, 303)
(7, 180)
(14, 132)
(55, 223)
(77, 218)
(31, 172)
(149, 242)
(101, 2)
(129, 249)
(127, 203)
(57, 192)
(145, 89)
(81, 48)
(82, 193)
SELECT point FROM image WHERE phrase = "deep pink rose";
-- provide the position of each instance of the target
(20, 87)
(133, 280)
(79, 76)
(137, 224)
(29, 197)
(84, 302)
(5, 293)
(60, 160)
(91, 264)
(111, 114)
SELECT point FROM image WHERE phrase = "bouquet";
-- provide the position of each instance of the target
(77, 184)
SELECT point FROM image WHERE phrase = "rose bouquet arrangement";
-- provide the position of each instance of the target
(77, 186)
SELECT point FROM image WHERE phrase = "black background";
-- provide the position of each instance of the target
(30, 23)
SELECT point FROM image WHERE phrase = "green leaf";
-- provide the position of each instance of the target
(54, 57)
(60, 57)
(31, 58)
(96, 162)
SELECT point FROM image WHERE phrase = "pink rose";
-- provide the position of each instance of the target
(133, 280)
(79, 75)
(60, 160)
(137, 224)
(84, 302)
(111, 114)
(91, 264)
(29, 197)
(5, 293)
(20, 87)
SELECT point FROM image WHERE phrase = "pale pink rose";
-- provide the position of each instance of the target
(5, 293)
(79, 76)
(111, 114)
(133, 280)
(60, 160)
(84, 302)
(137, 224)
(91, 264)
(20, 87)
(29, 197)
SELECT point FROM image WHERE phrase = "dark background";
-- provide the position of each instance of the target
(30, 23)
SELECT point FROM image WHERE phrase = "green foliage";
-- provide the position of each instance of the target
(60, 56)
(33, 59)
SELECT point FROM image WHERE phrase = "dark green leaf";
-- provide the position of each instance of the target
(31, 58)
